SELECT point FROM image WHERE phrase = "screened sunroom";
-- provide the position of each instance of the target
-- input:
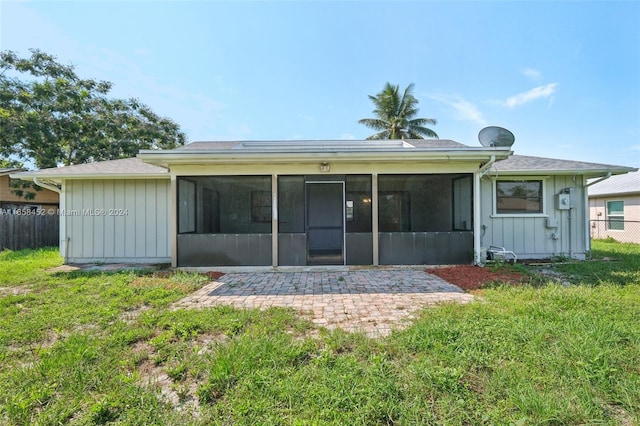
(305, 203)
(324, 220)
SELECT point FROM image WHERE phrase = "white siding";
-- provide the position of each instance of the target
(528, 236)
(117, 220)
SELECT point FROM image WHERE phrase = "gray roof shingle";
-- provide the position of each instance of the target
(9, 170)
(525, 163)
(224, 145)
(124, 167)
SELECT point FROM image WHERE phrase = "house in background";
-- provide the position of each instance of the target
(44, 199)
(614, 208)
(301, 203)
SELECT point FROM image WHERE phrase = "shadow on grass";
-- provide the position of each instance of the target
(611, 262)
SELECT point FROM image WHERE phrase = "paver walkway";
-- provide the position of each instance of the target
(373, 301)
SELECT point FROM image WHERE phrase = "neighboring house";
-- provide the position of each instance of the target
(44, 199)
(298, 203)
(614, 208)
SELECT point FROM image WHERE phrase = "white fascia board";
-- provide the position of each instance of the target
(278, 156)
(590, 173)
(60, 177)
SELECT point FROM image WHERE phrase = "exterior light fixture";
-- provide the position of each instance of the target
(324, 167)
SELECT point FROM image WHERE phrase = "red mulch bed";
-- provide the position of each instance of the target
(214, 275)
(470, 277)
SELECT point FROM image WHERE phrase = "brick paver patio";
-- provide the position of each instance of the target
(373, 301)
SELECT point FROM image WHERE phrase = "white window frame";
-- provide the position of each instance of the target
(609, 216)
(543, 196)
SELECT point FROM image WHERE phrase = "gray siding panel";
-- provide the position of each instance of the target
(118, 220)
(529, 236)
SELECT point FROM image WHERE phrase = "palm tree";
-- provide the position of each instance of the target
(395, 116)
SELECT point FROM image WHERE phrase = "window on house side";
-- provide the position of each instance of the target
(519, 197)
(615, 215)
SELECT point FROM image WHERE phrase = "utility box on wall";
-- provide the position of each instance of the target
(563, 201)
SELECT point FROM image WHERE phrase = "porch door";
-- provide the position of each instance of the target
(325, 223)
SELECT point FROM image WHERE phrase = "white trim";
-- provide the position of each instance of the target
(494, 196)
(173, 218)
(274, 221)
(374, 219)
(477, 218)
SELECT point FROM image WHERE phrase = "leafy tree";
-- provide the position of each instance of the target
(395, 115)
(50, 116)
(6, 163)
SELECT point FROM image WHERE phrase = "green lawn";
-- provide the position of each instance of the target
(95, 348)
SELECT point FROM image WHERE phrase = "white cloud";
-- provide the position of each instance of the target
(463, 110)
(532, 74)
(539, 92)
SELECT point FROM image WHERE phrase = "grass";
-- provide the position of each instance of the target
(107, 348)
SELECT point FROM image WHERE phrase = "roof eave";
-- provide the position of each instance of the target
(585, 172)
(165, 158)
(60, 177)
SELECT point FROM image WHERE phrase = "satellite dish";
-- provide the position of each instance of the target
(496, 136)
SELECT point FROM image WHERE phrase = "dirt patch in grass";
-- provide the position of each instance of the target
(471, 277)
(14, 291)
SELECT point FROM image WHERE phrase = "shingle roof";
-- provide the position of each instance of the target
(214, 145)
(417, 143)
(9, 170)
(621, 184)
(124, 167)
(525, 163)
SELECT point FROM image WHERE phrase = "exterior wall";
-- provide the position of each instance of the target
(598, 212)
(553, 233)
(43, 197)
(116, 221)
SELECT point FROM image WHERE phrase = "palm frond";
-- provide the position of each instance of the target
(395, 115)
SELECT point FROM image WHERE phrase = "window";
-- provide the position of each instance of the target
(224, 204)
(615, 215)
(519, 197)
(423, 203)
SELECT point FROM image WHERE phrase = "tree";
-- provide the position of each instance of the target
(395, 116)
(49, 116)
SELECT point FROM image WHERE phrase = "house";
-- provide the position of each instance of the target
(44, 199)
(299, 203)
(614, 208)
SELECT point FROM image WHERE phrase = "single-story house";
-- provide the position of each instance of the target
(44, 199)
(614, 208)
(298, 203)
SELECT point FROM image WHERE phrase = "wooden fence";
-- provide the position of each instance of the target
(19, 232)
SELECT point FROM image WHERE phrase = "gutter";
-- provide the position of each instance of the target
(486, 166)
(608, 175)
(49, 186)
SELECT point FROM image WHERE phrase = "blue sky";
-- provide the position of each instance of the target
(564, 77)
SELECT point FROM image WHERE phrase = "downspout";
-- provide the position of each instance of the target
(49, 186)
(476, 207)
(607, 176)
(486, 166)
(587, 219)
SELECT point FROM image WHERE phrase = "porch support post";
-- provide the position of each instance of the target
(173, 215)
(476, 218)
(374, 218)
(274, 220)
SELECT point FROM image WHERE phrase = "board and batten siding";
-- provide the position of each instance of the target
(531, 237)
(117, 221)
